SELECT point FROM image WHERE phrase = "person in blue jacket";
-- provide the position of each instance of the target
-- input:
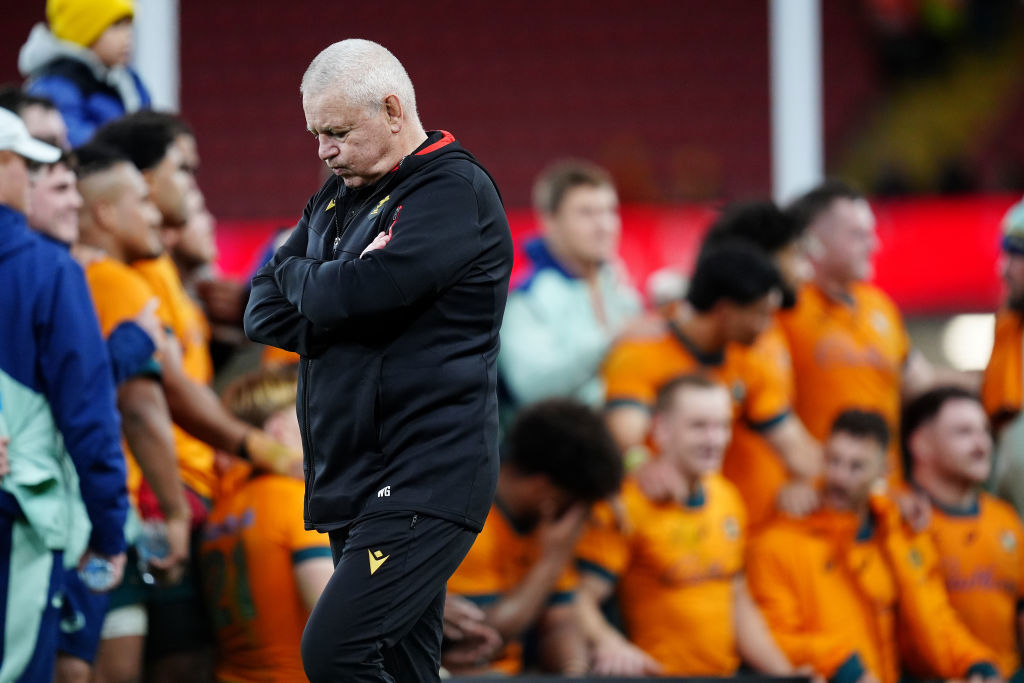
(58, 414)
(80, 62)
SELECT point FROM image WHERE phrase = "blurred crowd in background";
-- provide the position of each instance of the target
(748, 466)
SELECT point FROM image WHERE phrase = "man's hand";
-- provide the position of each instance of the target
(798, 498)
(116, 563)
(808, 671)
(169, 569)
(619, 657)
(558, 534)
(915, 509)
(5, 463)
(470, 640)
(271, 455)
(379, 242)
(661, 482)
(169, 350)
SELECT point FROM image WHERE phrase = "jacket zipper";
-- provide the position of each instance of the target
(341, 228)
(378, 411)
(311, 474)
(339, 231)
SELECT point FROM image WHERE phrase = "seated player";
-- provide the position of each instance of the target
(262, 571)
(678, 565)
(980, 540)
(559, 459)
(849, 590)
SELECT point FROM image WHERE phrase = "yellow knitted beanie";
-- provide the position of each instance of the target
(83, 21)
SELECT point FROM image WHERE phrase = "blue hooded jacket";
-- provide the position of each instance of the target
(57, 401)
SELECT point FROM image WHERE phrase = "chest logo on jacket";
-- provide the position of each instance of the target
(381, 203)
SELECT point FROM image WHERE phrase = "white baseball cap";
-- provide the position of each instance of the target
(14, 136)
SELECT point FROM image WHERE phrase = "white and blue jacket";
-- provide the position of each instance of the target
(552, 343)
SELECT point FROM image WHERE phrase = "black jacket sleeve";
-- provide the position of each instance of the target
(270, 318)
(435, 238)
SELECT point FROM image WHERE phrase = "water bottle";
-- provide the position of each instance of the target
(151, 544)
(97, 574)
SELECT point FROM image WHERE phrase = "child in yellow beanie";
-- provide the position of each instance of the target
(80, 61)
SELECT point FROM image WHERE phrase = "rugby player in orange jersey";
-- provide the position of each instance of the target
(764, 476)
(850, 590)
(980, 539)
(158, 145)
(678, 566)
(732, 300)
(734, 292)
(559, 460)
(118, 225)
(849, 346)
(262, 570)
(163, 149)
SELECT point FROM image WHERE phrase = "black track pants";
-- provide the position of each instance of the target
(379, 618)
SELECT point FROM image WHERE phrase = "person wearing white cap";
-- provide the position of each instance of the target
(57, 412)
(17, 147)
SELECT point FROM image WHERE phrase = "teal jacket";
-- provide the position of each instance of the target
(552, 343)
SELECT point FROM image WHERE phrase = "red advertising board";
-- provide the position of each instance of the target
(938, 255)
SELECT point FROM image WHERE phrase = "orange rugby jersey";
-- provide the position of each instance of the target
(1001, 389)
(636, 368)
(195, 458)
(187, 319)
(274, 357)
(253, 539)
(981, 555)
(674, 567)
(847, 354)
(825, 597)
(500, 558)
(119, 294)
(831, 589)
(751, 463)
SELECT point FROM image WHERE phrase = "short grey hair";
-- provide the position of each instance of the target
(365, 71)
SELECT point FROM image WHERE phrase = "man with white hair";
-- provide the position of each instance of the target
(392, 289)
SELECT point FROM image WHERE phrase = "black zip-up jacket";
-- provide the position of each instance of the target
(397, 397)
